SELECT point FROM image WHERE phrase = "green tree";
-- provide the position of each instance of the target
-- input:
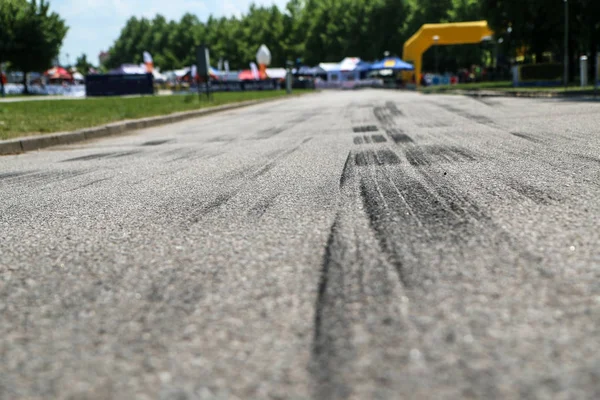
(38, 36)
(82, 64)
(8, 11)
(328, 30)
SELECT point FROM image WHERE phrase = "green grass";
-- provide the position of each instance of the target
(503, 86)
(47, 116)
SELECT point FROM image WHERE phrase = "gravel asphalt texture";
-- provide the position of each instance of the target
(342, 245)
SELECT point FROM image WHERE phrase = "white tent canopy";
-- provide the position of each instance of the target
(130, 69)
(276, 73)
(328, 67)
(158, 77)
(349, 63)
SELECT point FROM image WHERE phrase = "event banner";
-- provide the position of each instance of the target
(240, 86)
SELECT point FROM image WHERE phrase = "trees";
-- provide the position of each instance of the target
(82, 64)
(8, 11)
(328, 30)
(32, 35)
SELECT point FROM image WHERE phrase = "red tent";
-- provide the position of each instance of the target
(246, 75)
(58, 73)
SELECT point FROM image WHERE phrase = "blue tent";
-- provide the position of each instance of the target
(392, 63)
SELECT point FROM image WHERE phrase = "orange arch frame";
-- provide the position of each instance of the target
(453, 33)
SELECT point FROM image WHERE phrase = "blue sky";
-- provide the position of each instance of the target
(95, 24)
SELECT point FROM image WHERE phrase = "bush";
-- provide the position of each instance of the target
(541, 72)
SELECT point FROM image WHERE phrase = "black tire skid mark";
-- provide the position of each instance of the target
(535, 194)
(431, 154)
(270, 132)
(280, 154)
(197, 156)
(332, 344)
(157, 142)
(480, 119)
(244, 178)
(398, 135)
(11, 175)
(432, 124)
(436, 214)
(376, 157)
(213, 205)
(383, 115)
(221, 139)
(364, 129)
(99, 156)
(260, 208)
(376, 200)
(92, 183)
(126, 154)
(343, 300)
(585, 158)
(386, 114)
(528, 137)
(431, 207)
(485, 100)
(458, 203)
(90, 157)
(183, 154)
(48, 177)
(347, 170)
(304, 117)
(276, 130)
(378, 138)
(393, 109)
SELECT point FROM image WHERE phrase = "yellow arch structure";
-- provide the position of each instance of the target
(453, 33)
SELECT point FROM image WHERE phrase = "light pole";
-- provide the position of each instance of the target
(566, 61)
(508, 49)
(436, 39)
(498, 42)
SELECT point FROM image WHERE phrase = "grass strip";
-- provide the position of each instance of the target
(30, 118)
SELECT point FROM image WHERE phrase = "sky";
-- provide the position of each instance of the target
(94, 25)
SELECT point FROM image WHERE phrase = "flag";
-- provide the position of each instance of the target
(194, 72)
(149, 62)
(226, 65)
(220, 66)
(254, 70)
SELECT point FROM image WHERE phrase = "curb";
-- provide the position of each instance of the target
(25, 144)
(534, 95)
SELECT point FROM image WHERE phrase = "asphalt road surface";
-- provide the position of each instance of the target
(341, 245)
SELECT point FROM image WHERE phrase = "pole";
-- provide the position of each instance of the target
(597, 74)
(566, 60)
(437, 72)
(1, 80)
(198, 83)
(496, 60)
(288, 77)
(207, 80)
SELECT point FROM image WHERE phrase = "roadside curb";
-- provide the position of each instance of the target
(25, 144)
(535, 95)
